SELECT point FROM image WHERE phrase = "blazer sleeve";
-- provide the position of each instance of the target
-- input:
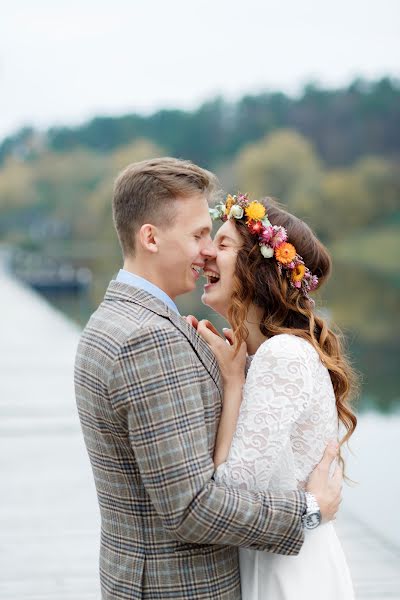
(154, 389)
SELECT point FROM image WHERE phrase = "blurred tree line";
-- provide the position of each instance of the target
(332, 157)
(342, 124)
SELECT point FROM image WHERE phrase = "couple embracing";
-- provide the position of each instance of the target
(214, 459)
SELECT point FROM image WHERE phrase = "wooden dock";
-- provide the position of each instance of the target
(49, 519)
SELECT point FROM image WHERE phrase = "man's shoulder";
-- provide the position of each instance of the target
(119, 323)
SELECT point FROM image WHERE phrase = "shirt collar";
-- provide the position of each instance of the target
(142, 283)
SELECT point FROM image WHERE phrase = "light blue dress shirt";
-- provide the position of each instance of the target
(141, 283)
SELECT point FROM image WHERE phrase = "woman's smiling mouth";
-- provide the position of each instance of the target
(212, 277)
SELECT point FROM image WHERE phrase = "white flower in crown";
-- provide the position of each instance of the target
(214, 214)
(217, 212)
(236, 211)
(267, 251)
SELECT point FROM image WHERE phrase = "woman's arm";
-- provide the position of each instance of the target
(232, 366)
(227, 425)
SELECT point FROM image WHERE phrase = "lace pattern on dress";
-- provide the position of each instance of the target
(287, 416)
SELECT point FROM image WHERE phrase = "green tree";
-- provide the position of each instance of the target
(284, 165)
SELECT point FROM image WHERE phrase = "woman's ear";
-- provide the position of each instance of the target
(148, 238)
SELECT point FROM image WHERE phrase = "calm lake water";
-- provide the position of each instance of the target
(373, 465)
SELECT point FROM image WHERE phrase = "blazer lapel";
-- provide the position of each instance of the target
(121, 291)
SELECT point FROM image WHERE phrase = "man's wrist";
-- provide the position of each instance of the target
(312, 516)
(311, 502)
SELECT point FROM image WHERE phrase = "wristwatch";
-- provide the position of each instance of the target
(312, 517)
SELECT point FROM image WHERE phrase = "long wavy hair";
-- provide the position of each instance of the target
(259, 281)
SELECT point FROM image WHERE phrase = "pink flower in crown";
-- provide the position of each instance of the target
(313, 283)
(266, 235)
(242, 200)
(279, 236)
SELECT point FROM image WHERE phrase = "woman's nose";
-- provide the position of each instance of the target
(209, 250)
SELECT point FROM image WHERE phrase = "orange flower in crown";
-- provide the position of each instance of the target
(285, 253)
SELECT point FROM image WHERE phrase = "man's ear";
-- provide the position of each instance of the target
(148, 238)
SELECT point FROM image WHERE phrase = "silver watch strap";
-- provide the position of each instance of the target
(311, 503)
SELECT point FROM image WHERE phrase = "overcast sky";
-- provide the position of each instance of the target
(64, 61)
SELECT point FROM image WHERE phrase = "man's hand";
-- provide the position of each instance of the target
(327, 490)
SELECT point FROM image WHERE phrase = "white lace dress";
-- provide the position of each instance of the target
(287, 416)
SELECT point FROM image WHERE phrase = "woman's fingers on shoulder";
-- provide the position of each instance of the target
(228, 333)
(207, 327)
(191, 319)
(202, 325)
(205, 332)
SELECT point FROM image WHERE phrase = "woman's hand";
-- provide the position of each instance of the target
(191, 319)
(232, 366)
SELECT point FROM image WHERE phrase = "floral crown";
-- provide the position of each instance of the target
(272, 239)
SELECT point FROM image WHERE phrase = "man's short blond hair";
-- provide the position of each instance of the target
(146, 191)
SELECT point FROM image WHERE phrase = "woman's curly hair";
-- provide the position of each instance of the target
(285, 309)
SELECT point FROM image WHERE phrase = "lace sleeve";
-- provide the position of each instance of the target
(277, 391)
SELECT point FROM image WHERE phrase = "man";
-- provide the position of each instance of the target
(149, 397)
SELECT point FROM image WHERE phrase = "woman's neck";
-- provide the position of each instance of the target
(255, 337)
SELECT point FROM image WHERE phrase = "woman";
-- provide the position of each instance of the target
(297, 387)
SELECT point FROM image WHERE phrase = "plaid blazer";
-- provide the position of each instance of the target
(148, 391)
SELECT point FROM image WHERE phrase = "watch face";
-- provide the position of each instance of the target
(312, 520)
